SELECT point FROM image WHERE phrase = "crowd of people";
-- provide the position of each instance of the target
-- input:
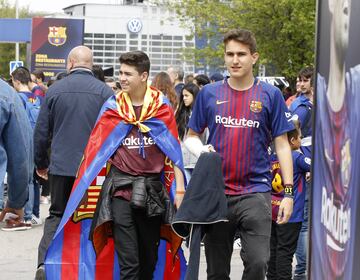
(46, 129)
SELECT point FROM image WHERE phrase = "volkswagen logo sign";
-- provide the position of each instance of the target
(134, 25)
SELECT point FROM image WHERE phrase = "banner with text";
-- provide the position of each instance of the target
(335, 214)
(52, 40)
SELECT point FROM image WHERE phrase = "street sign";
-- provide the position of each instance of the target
(15, 64)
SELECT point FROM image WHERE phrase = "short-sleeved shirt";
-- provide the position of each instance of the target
(129, 157)
(302, 107)
(241, 126)
(301, 165)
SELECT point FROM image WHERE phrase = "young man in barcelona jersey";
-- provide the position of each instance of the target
(243, 116)
(147, 135)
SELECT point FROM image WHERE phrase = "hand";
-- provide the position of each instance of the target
(179, 196)
(18, 212)
(211, 148)
(285, 210)
(43, 173)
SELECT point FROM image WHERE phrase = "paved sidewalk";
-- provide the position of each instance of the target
(18, 254)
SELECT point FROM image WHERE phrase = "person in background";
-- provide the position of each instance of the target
(163, 83)
(21, 79)
(216, 77)
(201, 80)
(98, 72)
(115, 86)
(284, 237)
(177, 76)
(183, 113)
(16, 156)
(189, 78)
(65, 121)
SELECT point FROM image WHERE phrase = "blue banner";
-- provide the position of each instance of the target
(52, 40)
(335, 214)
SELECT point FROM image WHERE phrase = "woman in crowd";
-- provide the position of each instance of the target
(187, 100)
(163, 83)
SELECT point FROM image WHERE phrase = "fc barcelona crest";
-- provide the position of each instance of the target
(57, 35)
(255, 106)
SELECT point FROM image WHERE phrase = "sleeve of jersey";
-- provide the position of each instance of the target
(301, 111)
(303, 163)
(280, 115)
(198, 120)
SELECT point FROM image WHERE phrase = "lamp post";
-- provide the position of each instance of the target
(17, 44)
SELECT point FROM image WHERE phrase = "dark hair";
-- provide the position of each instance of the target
(163, 83)
(295, 132)
(183, 113)
(202, 80)
(189, 78)
(138, 59)
(21, 74)
(98, 72)
(308, 73)
(39, 74)
(242, 36)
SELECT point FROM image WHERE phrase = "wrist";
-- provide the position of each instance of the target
(289, 190)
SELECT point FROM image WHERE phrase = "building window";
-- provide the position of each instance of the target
(98, 35)
(178, 38)
(109, 35)
(133, 43)
(100, 42)
(134, 36)
(156, 37)
(143, 36)
(120, 35)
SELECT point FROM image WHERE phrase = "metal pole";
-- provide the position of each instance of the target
(17, 44)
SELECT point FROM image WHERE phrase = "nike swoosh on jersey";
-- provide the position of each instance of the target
(219, 102)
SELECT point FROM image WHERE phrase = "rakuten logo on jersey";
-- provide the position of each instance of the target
(134, 142)
(237, 123)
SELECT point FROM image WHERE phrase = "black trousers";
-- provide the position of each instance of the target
(282, 248)
(136, 240)
(250, 216)
(60, 187)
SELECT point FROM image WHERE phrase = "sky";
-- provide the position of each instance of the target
(55, 6)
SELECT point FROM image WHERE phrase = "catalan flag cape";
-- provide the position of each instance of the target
(71, 254)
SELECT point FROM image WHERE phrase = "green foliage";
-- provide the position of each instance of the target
(7, 50)
(284, 29)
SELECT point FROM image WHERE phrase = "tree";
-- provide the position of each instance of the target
(284, 29)
(7, 50)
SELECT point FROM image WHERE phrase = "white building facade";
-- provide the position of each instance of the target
(112, 29)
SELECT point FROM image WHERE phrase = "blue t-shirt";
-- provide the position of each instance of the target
(302, 107)
(301, 165)
(241, 126)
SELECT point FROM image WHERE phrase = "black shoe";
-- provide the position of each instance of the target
(40, 273)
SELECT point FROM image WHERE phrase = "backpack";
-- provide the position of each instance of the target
(32, 108)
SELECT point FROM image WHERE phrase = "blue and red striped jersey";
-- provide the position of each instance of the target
(241, 126)
(301, 165)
